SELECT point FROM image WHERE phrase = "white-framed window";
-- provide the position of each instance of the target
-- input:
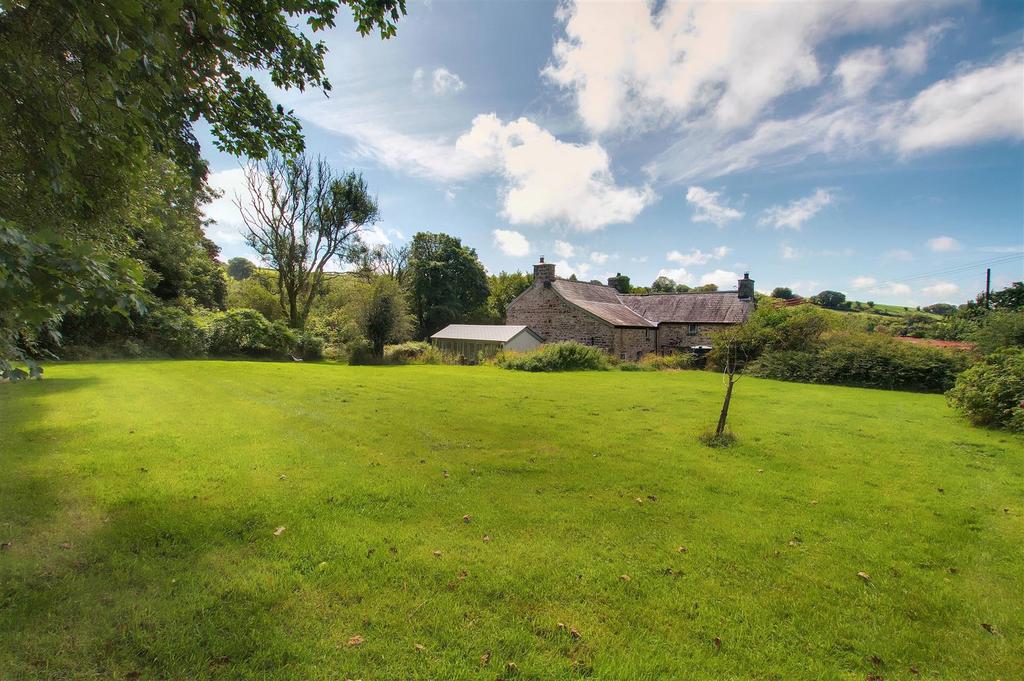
(692, 329)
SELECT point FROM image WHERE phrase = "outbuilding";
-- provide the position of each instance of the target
(473, 340)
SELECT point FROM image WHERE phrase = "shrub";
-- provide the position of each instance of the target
(173, 331)
(866, 360)
(309, 346)
(991, 392)
(1000, 329)
(413, 352)
(566, 356)
(247, 332)
(633, 366)
(677, 360)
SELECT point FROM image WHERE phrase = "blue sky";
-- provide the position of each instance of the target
(865, 147)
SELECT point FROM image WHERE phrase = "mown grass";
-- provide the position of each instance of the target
(140, 501)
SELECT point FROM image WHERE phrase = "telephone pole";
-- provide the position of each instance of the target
(988, 285)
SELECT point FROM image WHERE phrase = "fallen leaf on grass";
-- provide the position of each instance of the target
(865, 576)
(419, 647)
(6, 546)
(941, 490)
(682, 549)
(718, 643)
(652, 497)
(760, 470)
(463, 574)
(466, 518)
(988, 627)
(485, 659)
(795, 541)
(65, 545)
(222, 660)
(437, 553)
(283, 477)
(625, 578)
(814, 502)
(574, 633)
(279, 531)
(876, 660)
(445, 473)
(356, 640)
(914, 671)
(874, 677)
(639, 501)
(487, 538)
(511, 667)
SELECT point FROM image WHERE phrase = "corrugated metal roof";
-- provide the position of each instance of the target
(494, 333)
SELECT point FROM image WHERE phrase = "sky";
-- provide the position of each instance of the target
(867, 147)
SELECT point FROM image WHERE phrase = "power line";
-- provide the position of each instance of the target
(959, 268)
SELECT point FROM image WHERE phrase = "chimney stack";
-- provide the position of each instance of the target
(746, 287)
(543, 272)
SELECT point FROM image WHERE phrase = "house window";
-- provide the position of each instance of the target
(622, 355)
(691, 329)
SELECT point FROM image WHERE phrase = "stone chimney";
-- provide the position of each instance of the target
(543, 272)
(746, 287)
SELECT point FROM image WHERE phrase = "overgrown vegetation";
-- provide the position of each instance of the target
(991, 393)
(565, 356)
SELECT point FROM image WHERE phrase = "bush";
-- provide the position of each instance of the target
(677, 360)
(991, 392)
(866, 360)
(566, 356)
(173, 331)
(247, 332)
(1000, 329)
(309, 346)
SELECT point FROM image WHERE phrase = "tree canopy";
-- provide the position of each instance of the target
(447, 281)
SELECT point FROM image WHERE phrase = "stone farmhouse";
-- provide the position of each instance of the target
(625, 325)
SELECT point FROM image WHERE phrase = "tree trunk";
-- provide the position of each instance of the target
(725, 409)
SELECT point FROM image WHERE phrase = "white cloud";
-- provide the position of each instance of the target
(941, 288)
(441, 81)
(804, 287)
(944, 244)
(981, 104)
(898, 254)
(797, 212)
(630, 64)
(226, 230)
(891, 289)
(975, 106)
(709, 207)
(599, 258)
(863, 282)
(721, 278)
(790, 253)
(511, 242)
(449, 195)
(548, 180)
(860, 71)
(678, 275)
(1001, 249)
(697, 256)
(581, 270)
(564, 249)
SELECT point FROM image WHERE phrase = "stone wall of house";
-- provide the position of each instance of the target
(678, 335)
(632, 344)
(544, 311)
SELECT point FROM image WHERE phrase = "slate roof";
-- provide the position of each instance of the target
(602, 301)
(647, 311)
(483, 332)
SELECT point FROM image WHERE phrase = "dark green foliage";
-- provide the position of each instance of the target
(663, 285)
(833, 300)
(309, 346)
(566, 356)
(1009, 298)
(866, 360)
(1000, 329)
(172, 331)
(991, 393)
(447, 281)
(943, 309)
(247, 332)
(382, 314)
(240, 268)
(503, 288)
(782, 292)
(619, 282)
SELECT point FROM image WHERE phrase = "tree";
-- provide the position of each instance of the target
(991, 393)
(619, 282)
(944, 309)
(240, 268)
(110, 85)
(833, 300)
(706, 288)
(683, 288)
(1010, 298)
(390, 260)
(299, 218)
(447, 281)
(383, 315)
(503, 289)
(783, 293)
(663, 285)
(1000, 329)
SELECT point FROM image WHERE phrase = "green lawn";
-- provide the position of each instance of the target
(141, 501)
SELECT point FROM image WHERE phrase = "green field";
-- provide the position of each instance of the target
(140, 502)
